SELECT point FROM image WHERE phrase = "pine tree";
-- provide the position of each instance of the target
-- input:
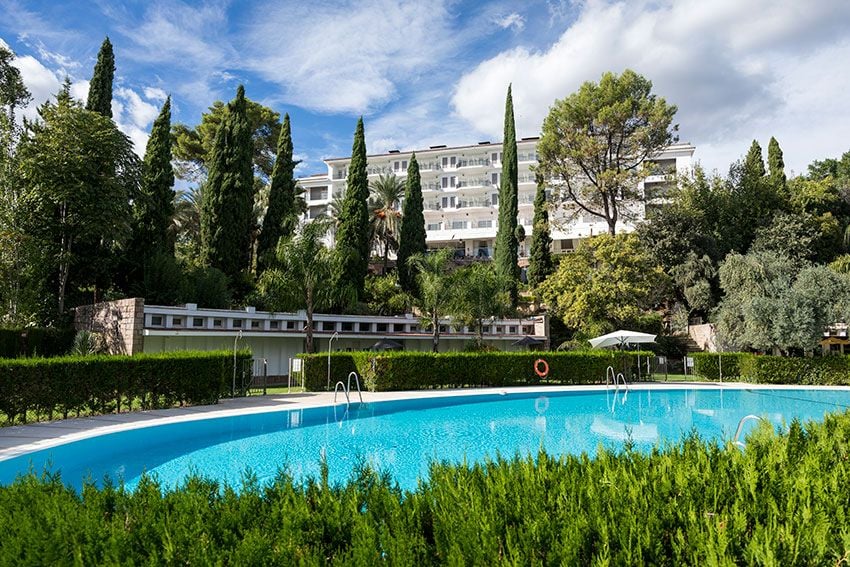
(280, 215)
(507, 246)
(229, 194)
(154, 206)
(540, 256)
(100, 87)
(776, 166)
(412, 238)
(352, 243)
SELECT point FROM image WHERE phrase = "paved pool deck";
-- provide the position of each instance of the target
(21, 439)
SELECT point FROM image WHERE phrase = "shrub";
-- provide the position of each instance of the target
(782, 501)
(420, 370)
(102, 384)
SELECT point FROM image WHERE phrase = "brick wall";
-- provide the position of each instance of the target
(119, 322)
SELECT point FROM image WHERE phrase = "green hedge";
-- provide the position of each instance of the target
(782, 501)
(827, 370)
(39, 388)
(420, 370)
(708, 364)
(35, 341)
(767, 369)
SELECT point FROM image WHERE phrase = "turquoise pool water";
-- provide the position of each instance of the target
(401, 437)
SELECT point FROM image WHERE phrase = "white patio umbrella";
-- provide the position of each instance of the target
(621, 338)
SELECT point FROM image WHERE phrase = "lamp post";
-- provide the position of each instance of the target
(235, 342)
(330, 341)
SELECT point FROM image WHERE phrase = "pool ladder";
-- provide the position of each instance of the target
(347, 389)
(736, 440)
(611, 376)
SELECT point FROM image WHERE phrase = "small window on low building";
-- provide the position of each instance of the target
(382, 327)
(237, 323)
(347, 326)
(290, 325)
(499, 329)
(398, 327)
(328, 326)
(177, 322)
(197, 321)
(156, 320)
(255, 324)
(274, 324)
(512, 329)
(218, 323)
(444, 329)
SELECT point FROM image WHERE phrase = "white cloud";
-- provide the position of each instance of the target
(351, 56)
(514, 20)
(154, 93)
(737, 70)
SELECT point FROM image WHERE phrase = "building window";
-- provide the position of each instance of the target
(197, 321)
(382, 327)
(485, 223)
(494, 178)
(274, 324)
(512, 330)
(255, 324)
(237, 323)
(218, 323)
(499, 329)
(290, 325)
(434, 226)
(177, 322)
(328, 326)
(458, 225)
(156, 320)
(398, 327)
(347, 326)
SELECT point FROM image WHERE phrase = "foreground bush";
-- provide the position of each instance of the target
(783, 501)
(42, 388)
(420, 370)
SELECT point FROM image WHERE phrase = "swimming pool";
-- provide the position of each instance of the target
(402, 436)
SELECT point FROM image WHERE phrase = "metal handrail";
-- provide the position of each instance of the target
(623, 378)
(609, 374)
(356, 382)
(735, 439)
(336, 391)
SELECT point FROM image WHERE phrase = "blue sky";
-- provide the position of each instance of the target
(425, 73)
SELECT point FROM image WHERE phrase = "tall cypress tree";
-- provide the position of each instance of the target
(280, 215)
(228, 202)
(540, 256)
(352, 243)
(154, 207)
(100, 88)
(754, 162)
(507, 246)
(776, 166)
(412, 233)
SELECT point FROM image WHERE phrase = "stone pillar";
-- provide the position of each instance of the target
(121, 323)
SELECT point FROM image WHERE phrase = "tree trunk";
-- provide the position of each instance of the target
(309, 329)
(612, 226)
(435, 323)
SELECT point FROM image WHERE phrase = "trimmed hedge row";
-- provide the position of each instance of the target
(102, 384)
(782, 501)
(708, 364)
(421, 370)
(35, 341)
(767, 369)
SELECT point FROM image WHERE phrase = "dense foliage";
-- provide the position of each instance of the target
(422, 370)
(35, 341)
(282, 214)
(766, 369)
(540, 264)
(229, 194)
(781, 501)
(44, 388)
(100, 86)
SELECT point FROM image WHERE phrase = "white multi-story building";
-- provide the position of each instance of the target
(460, 191)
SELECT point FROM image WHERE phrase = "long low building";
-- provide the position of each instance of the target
(129, 327)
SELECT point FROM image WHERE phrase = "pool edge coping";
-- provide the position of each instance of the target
(45, 435)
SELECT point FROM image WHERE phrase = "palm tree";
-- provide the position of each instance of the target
(186, 222)
(385, 213)
(300, 278)
(434, 295)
